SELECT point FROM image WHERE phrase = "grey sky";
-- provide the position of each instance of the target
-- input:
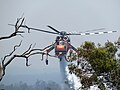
(68, 15)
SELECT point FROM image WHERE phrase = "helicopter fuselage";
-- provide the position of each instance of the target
(62, 45)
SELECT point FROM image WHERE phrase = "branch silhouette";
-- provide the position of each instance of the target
(26, 54)
(7, 59)
(17, 31)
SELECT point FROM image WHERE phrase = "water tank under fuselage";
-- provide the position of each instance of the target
(61, 48)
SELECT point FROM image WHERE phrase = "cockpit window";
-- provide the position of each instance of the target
(58, 38)
(61, 43)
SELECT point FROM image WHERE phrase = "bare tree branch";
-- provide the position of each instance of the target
(17, 31)
(15, 47)
(26, 54)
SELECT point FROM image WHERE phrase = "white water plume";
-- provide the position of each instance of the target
(68, 79)
(71, 80)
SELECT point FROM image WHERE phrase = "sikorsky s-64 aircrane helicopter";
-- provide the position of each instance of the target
(62, 43)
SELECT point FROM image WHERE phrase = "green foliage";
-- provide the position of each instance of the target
(111, 49)
(101, 86)
(72, 57)
(86, 49)
(86, 82)
(115, 77)
(94, 78)
(88, 45)
(72, 68)
(103, 60)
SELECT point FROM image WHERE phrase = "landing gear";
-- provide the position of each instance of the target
(46, 61)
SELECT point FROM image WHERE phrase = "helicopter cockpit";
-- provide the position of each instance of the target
(62, 38)
(61, 45)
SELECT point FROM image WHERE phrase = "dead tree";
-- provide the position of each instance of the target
(26, 54)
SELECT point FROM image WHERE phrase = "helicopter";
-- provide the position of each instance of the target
(62, 43)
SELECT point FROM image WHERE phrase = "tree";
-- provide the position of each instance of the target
(40, 85)
(100, 58)
(2, 86)
(103, 61)
(7, 59)
(111, 49)
(52, 86)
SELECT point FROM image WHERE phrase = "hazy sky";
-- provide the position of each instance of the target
(68, 15)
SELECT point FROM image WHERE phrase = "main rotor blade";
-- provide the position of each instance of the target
(87, 33)
(42, 30)
(35, 29)
(53, 29)
(93, 30)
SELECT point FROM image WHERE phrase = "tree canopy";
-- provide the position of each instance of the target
(103, 60)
